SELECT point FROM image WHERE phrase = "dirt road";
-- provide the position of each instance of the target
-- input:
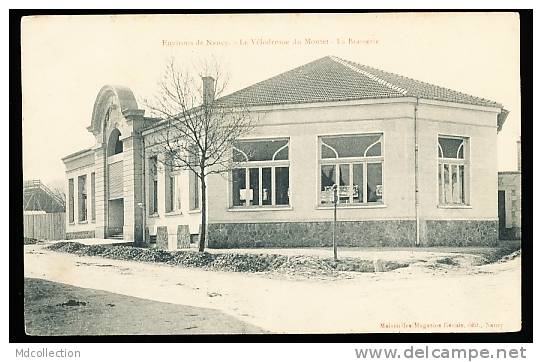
(53, 309)
(413, 299)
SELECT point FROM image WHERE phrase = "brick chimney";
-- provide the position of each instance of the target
(208, 89)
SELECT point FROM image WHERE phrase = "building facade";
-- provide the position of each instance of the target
(510, 201)
(415, 164)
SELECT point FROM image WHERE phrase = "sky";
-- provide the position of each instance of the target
(67, 59)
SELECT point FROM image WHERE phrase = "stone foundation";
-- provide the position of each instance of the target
(80, 235)
(459, 232)
(385, 233)
(306, 234)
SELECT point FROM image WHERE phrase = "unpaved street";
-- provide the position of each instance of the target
(411, 299)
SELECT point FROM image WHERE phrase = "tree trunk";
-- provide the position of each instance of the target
(203, 234)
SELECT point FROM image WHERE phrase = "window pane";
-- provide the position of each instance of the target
(374, 150)
(358, 182)
(327, 180)
(282, 185)
(254, 179)
(327, 152)
(82, 197)
(344, 183)
(239, 186)
(155, 196)
(348, 146)
(239, 156)
(171, 193)
(169, 189)
(440, 185)
(450, 146)
(282, 154)
(262, 150)
(462, 184)
(266, 186)
(455, 184)
(178, 192)
(374, 182)
(447, 194)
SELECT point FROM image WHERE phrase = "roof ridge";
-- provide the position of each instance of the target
(369, 75)
(280, 75)
(426, 83)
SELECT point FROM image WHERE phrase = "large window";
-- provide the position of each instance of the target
(354, 164)
(452, 170)
(71, 201)
(262, 173)
(153, 185)
(82, 197)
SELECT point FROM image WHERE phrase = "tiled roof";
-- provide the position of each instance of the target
(332, 79)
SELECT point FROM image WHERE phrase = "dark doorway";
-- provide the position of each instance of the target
(502, 214)
(115, 219)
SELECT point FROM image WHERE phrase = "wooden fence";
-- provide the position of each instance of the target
(50, 226)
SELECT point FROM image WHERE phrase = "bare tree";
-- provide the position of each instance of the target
(197, 129)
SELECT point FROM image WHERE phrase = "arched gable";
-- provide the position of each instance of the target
(109, 95)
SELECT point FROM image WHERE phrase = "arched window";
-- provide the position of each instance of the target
(261, 177)
(354, 164)
(453, 170)
(114, 145)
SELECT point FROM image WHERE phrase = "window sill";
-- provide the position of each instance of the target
(155, 215)
(351, 206)
(454, 206)
(173, 213)
(83, 222)
(195, 211)
(71, 223)
(259, 208)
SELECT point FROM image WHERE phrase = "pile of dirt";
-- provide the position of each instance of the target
(510, 256)
(504, 249)
(233, 262)
(30, 241)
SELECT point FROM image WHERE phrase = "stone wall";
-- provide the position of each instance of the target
(388, 233)
(80, 234)
(303, 234)
(183, 237)
(459, 232)
(162, 237)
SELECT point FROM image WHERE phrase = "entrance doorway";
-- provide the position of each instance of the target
(115, 219)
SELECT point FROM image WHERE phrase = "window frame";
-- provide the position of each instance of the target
(260, 165)
(351, 161)
(454, 162)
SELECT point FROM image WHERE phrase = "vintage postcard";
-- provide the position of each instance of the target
(271, 173)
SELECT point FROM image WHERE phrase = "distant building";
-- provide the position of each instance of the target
(510, 201)
(39, 199)
(414, 163)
